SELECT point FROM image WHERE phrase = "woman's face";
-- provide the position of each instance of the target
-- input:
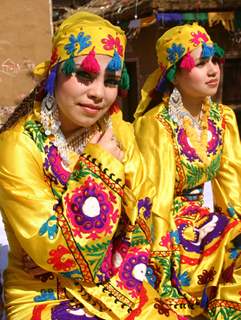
(202, 80)
(84, 97)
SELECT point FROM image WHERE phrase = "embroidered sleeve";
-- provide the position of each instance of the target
(64, 222)
(227, 184)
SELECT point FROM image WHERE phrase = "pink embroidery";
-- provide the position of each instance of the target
(198, 37)
(110, 43)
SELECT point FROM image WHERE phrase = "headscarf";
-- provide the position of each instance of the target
(173, 47)
(83, 34)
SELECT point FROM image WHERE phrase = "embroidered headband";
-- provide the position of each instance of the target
(173, 47)
(84, 34)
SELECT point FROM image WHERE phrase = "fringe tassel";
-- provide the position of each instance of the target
(69, 66)
(160, 87)
(50, 82)
(204, 301)
(90, 64)
(125, 79)
(187, 62)
(218, 51)
(171, 73)
(115, 63)
(207, 51)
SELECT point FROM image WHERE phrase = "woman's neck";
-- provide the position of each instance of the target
(193, 105)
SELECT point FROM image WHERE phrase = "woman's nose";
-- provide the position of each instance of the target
(213, 68)
(96, 90)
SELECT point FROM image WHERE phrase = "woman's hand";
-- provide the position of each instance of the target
(108, 141)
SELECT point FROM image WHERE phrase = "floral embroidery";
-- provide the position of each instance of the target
(35, 131)
(111, 43)
(60, 260)
(46, 295)
(175, 52)
(162, 307)
(54, 162)
(90, 209)
(144, 206)
(50, 227)
(133, 271)
(206, 276)
(197, 227)
(68, 310)
(78, 43)
(198, 37)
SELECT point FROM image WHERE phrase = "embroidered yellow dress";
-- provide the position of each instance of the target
(86, 226)
(195, 264)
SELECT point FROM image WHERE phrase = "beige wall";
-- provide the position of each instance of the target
(25, 40)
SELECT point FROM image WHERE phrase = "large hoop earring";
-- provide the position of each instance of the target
(49, 115)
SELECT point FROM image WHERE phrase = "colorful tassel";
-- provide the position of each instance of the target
(204, 301)
(161, 84)
(90, 64)
(187, 62)
(125, 79)
(115, 63)
(69, 66)
(218, 51)
(171, 73)
(50, 82)
(207, 51)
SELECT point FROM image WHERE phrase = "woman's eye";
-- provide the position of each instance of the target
(112, 82)
(83, 76)
(201, 63)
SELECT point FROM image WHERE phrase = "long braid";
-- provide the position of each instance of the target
(24, 108)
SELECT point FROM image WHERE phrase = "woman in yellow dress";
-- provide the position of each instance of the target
(187, 139)
(74, 194)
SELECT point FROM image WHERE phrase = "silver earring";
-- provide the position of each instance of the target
(176, 108)
(49, 115)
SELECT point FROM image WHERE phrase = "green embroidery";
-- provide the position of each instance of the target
(194, 174)
(213, 167)
(215, 113)
(224, 314)
(82, 172)
(96, 253)
(35, 131)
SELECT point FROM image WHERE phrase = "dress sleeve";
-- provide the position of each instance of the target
(55, 232)
(227, 183)
(156, 146)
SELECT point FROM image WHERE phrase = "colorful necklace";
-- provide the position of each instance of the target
(196, 129)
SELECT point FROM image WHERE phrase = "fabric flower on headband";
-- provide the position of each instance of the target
(84, 34)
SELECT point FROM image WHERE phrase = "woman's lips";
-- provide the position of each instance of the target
(90, 109)
(212, 83)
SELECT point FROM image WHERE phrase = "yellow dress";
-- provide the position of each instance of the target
(195, 263)
(79, 236)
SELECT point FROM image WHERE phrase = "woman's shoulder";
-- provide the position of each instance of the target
(16, 136)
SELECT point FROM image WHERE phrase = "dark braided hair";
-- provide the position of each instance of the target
(25, 107)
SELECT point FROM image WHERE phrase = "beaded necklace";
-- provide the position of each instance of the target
(196, 130)
(78, 140)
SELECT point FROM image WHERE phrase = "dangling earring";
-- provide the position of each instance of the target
(175, 106)
(49, 115)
